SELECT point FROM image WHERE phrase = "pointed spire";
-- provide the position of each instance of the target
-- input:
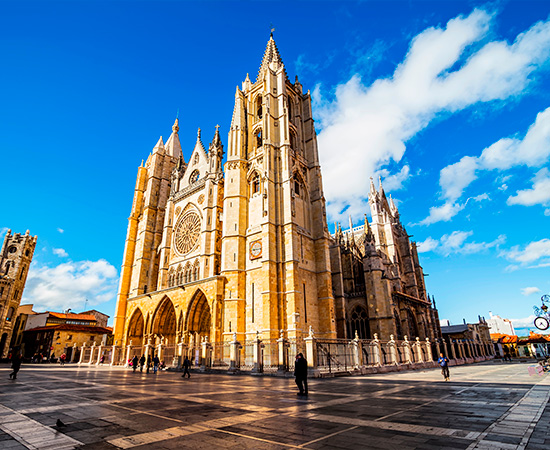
(199, 145)
(173, 145)
(381, 189)
(217, 141)
(158, 146)
(352, 237)
(271, 58)
(372, 188)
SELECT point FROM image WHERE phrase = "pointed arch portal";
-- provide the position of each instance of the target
(198, 316)
(135, 329)
(164, 322)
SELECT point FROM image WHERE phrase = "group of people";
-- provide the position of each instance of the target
(143, 361)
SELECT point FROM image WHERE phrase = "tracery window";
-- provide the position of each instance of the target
(259, 140)
(358, 321)
(259, 108)
(194, 176)
(255, 184)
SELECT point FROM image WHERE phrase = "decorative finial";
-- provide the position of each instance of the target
(217, 128)
(199, 134)
(175, 127)
(272, 30)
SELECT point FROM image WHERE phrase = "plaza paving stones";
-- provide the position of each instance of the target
(485, 406)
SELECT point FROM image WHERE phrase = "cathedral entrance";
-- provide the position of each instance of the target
(164, 323)
(199, 320)
(135, 333)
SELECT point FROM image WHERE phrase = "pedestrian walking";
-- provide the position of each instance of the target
(148, 362)
(15, 364)
(134, 362)
(141, 363)
(156, 362)
(62, 359)
(186, 366)
(300, 372)
(443, 362)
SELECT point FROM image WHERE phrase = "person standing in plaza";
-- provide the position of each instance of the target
(134, 362)
(62, 359)
(141, 363)
(443, 362)
(300, 372)
(148, 363)
(156, 362)
(186, 366)
(15, 364)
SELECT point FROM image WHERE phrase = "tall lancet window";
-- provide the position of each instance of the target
(259, 140)
(255, 184)
(259, 107)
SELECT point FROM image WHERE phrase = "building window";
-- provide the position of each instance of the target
(196, 159)
(259, 140)
(297, 187)
(359, 321)
(194, 177)
(259, 110)
(255, 185)
(10, 315)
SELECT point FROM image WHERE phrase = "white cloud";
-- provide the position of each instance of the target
(394, 182)
(443, 72)
(530, 291)
(69, 284)
(533, 150)
(539, 194)
(531, 253)
(443, 213)
(456, 243)
(526, 322)
(61, 230)
(60, 252)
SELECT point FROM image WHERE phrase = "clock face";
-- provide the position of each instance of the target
(541, 323)
(187, 232)
(255, 249)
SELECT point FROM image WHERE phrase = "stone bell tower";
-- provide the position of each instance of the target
(275, 240)
(15, 260)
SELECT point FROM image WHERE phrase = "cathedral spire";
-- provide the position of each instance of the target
(272, 59)
(199, 145)
(158, 146)
(173, 145)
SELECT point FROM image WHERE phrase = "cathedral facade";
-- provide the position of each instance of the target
(242, 250)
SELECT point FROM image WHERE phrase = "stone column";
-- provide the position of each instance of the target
(311, 352)
(73, 353)
(407, 350)
(453, 351)
(429, 354)
(258, 355)
(113, 354)
(180, 351)
(376, 351)
(356, 346)
(128, 349)
(205, 351)
(393, 351)
(159, 348)
(234, 354)
(418, 350)
(437, 347)
(82, 353)
(100, 349)
(282, 353)
(92, 354)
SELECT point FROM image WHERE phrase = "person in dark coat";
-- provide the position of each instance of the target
(300, 372)
(135, 362)
(156, 362)
(15, 364)
(186, 366)
(141, 363)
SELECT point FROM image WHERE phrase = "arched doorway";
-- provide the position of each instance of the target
(3, 344)
(135, 333)
(412, 325)
(358, 321)
(198, 316)
(164, 322)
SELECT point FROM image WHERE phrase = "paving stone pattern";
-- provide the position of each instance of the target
(485, 406)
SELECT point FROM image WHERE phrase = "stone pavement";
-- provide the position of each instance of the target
(485, 406)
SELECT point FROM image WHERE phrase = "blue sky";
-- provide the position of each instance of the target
(445, 100)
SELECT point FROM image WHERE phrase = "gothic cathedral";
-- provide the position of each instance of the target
(242, 250)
